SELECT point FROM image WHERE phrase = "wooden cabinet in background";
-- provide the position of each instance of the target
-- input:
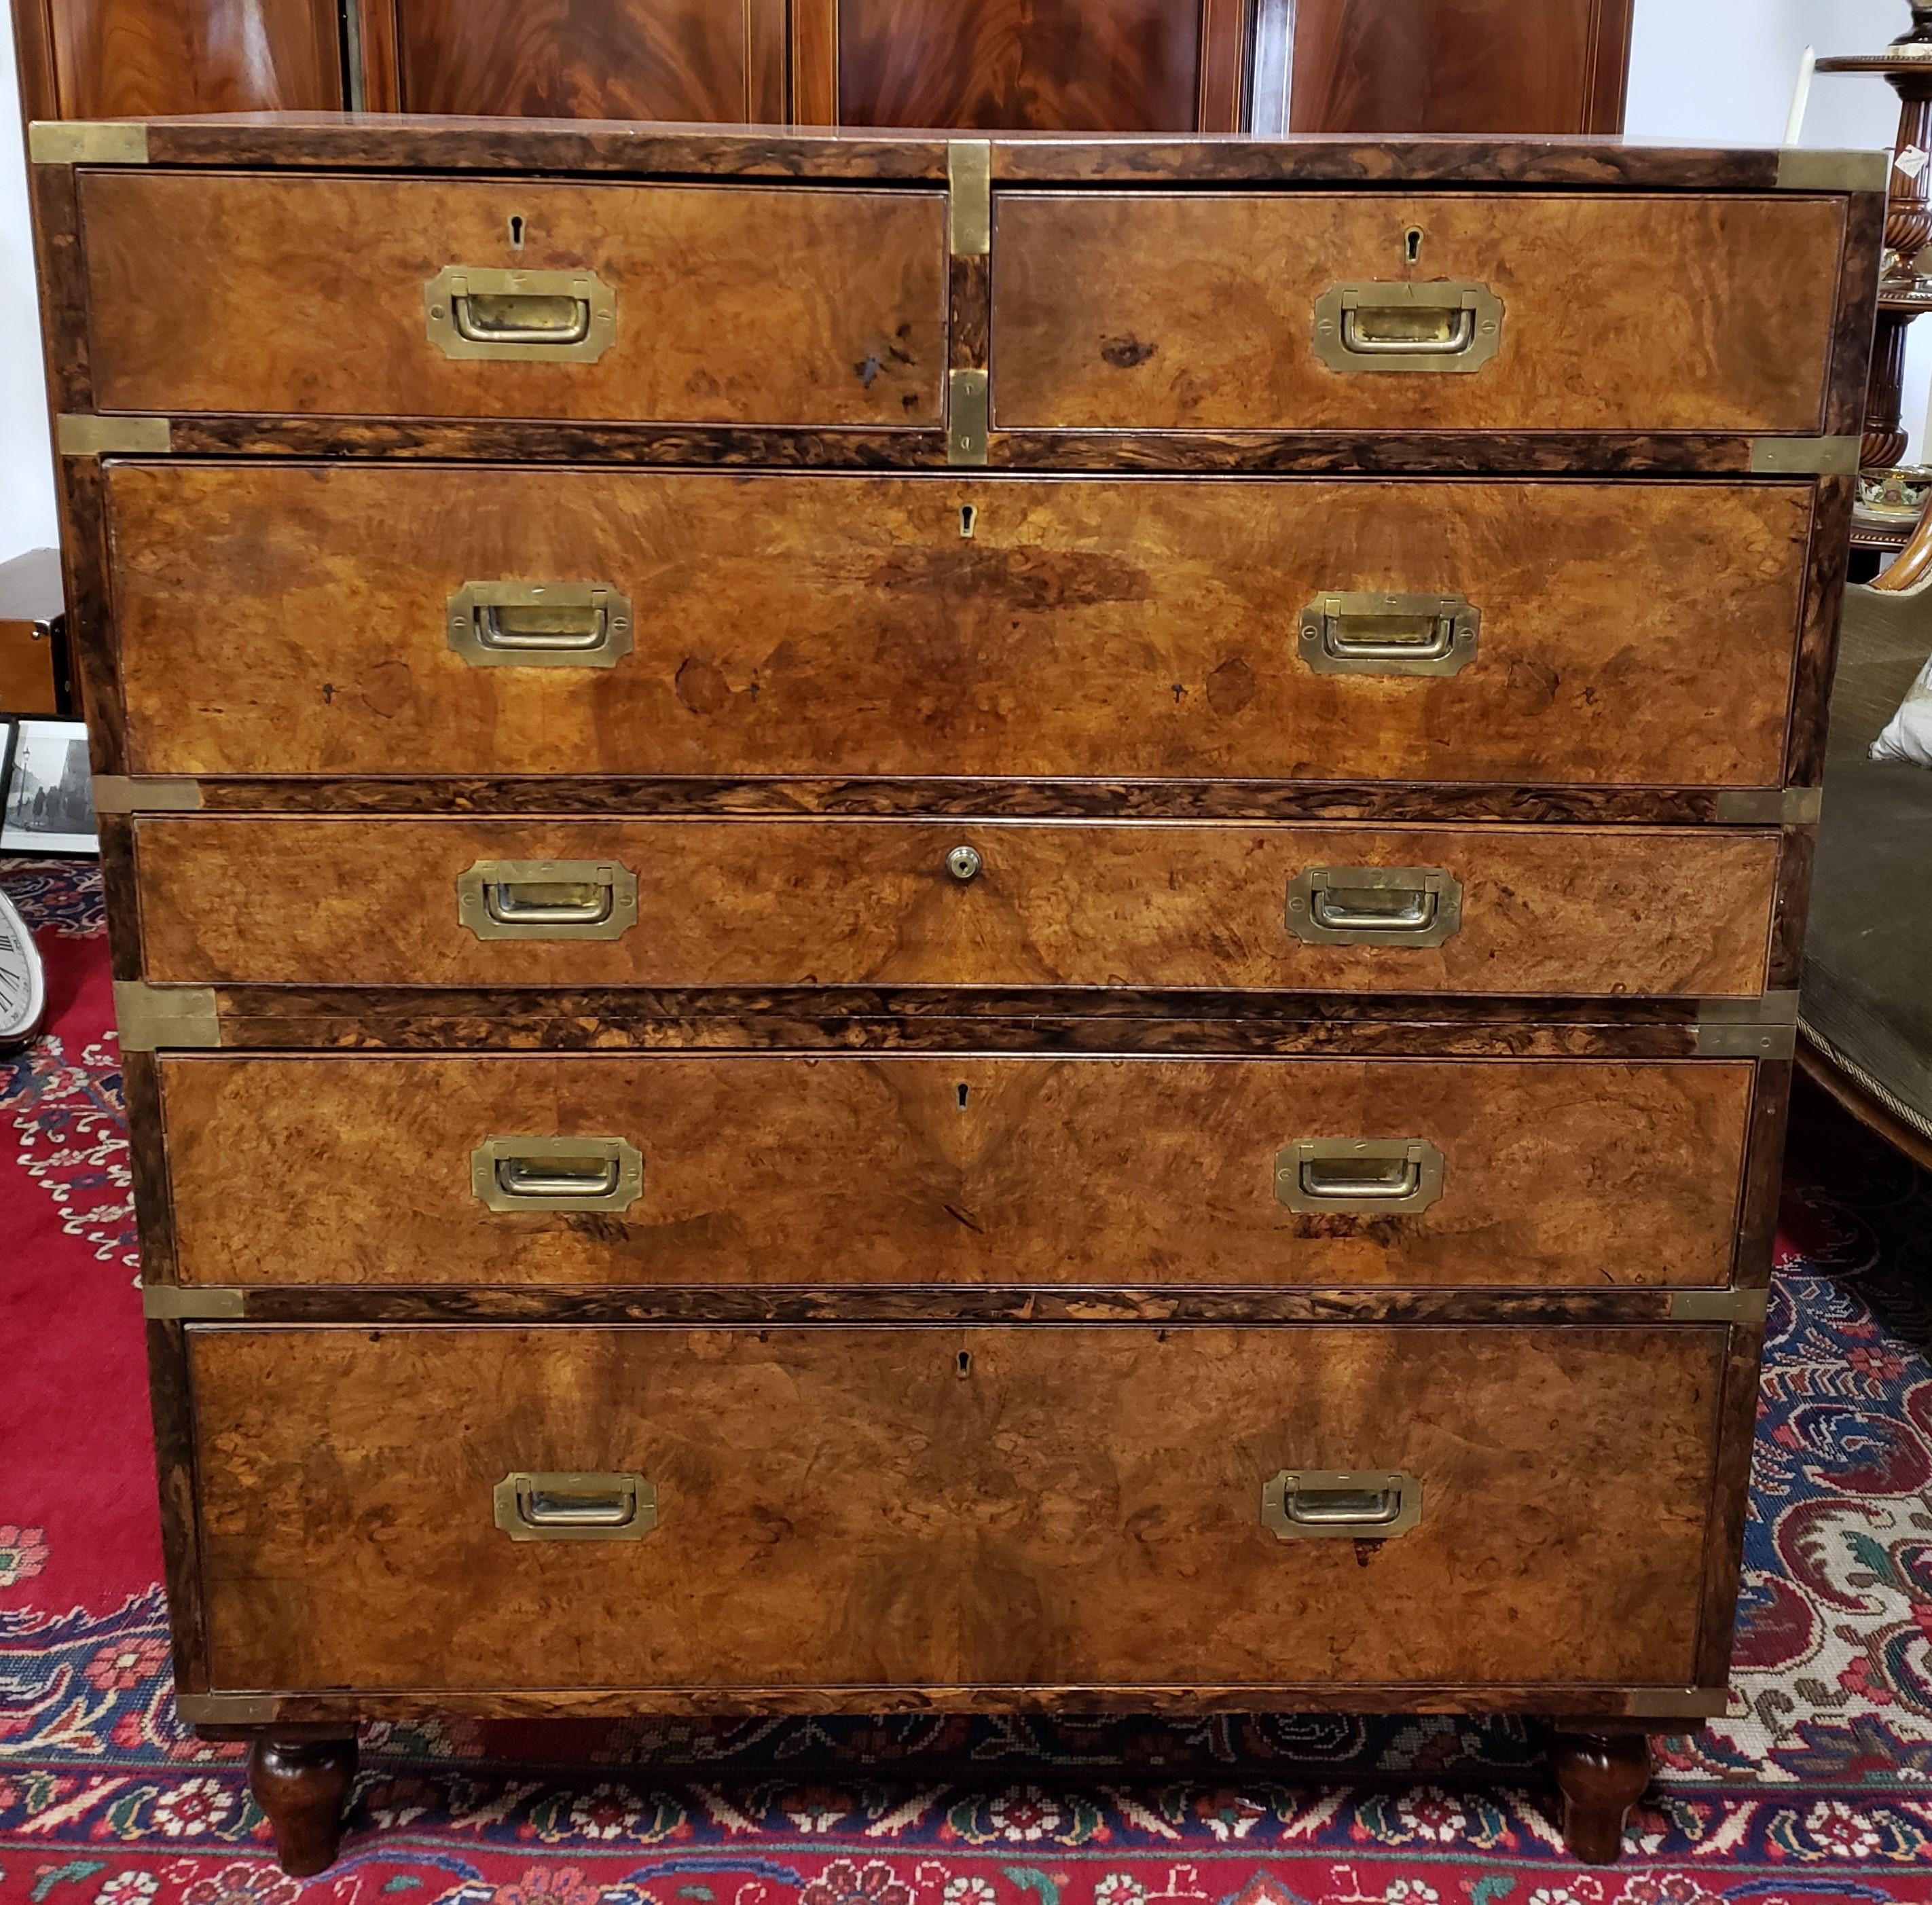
(594, 59)
(1395, 66)
(107, 59)
(1096, 65)
(1153, 66)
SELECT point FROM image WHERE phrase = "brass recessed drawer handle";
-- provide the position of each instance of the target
(1397, 325)
(557, 1174)
(1359, 1177)
(539, 625)
(547, 899)
(1363, 1505)
(522, 1177)
(1396, 906)
(521, 317)
(482, 311)
(1359, 632)
(608, 1506)
(1397, 330)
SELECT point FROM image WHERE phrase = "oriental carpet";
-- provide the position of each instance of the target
(1817, 1786)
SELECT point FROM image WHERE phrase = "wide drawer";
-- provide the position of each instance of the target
(1564, 911)
(504, 621)
(1517, 310)
(949, 1507)
(843, 1170)
(699, 303)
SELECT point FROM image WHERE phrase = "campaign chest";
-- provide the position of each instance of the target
(964, 923)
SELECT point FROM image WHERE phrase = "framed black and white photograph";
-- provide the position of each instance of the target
(49, 799)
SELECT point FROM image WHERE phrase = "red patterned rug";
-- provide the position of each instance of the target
(1817, 1786)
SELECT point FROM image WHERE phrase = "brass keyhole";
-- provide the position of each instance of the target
(1411, 243)
(963, 862)
(968, 516)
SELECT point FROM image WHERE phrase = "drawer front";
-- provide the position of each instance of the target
(933, 1506)
(1199, 311)
(954, 1171)
(821, 625)
(726, 304)
(1569, 911)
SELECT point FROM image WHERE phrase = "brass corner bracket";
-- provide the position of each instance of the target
(227, 1709)
(1804, 456)
(1679, 1703)
(968, 415)
(1771, 806)
(78, 435)
(1746, 1308)
(1762, 1027)
(175, 1303)
(87, 142)
(146, 794)
(1832, 168)
(166, 1017)
(969, 203)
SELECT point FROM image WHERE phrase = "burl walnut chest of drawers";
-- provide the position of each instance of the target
(969, 924)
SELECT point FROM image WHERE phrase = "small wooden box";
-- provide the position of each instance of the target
(34, 678)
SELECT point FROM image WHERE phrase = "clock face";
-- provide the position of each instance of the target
(23, 995)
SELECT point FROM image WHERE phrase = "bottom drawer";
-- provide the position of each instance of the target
(948, 1506)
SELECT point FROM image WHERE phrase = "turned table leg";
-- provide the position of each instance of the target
(302, 1785)
(1601, 1775)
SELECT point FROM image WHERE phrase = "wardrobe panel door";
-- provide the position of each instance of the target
(593, 59)
(125, 58)
(1052, 65)
(1515, 66)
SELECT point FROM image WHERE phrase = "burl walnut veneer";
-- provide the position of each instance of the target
(906, 922)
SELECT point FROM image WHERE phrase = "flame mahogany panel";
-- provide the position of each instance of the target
(1047, 65)
(125, 58)
(685, 60)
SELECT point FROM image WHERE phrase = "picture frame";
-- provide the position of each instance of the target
(46, 793)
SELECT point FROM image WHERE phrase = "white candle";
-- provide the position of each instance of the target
(1800, 96)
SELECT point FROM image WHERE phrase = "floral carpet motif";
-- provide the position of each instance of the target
(1817, 1786)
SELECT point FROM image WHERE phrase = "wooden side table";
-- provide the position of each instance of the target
(1906, 65)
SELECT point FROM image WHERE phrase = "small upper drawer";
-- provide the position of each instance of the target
(443, 620)
(514, 298)
(1511, 909)
(703, 1169)
(1405, 310)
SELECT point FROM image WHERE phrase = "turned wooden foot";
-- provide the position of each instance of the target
(302, 1785)
(1601, 1776)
